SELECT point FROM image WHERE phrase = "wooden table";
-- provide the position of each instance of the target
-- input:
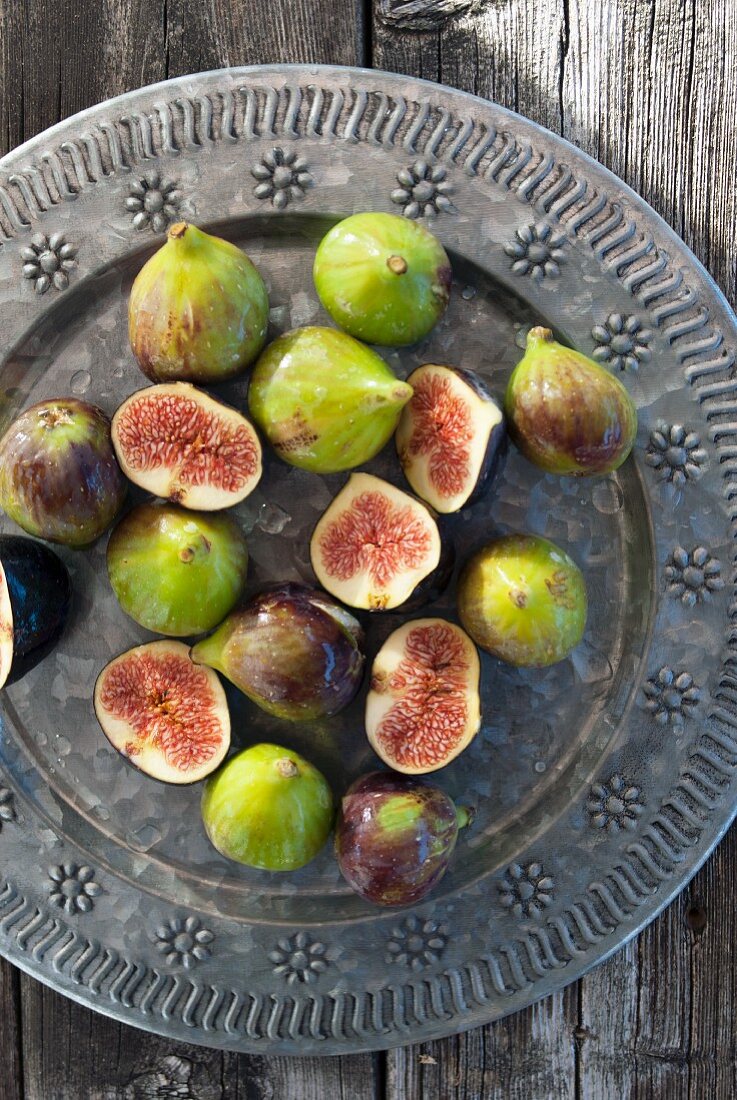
(649, 88)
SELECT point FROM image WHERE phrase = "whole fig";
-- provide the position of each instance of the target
(198, 310)
(566, 413)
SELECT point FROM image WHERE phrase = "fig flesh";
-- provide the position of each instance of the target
(165, 715)
(35, 593)
(198, 309)
(394, 837)
(450, 436)
(423, 708)
(179, 443)
(59, 478)
(377, 548)
(523, 599)
(291, 650)
(383, 278)
(566, 413)
(269, 808)
(177, 572)
(325, 402)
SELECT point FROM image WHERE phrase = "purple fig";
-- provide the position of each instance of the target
(395, 836)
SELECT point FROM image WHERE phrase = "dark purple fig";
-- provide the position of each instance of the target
(377, 548)
(35, 593)
(291, 650)
(59, 478)
(395, 836)
(450, 436)
(566, 413)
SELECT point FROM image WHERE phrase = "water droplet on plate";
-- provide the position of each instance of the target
(272, 519)
(520, 337)
(80, 381)
(118, 372)
(540, 766)
(468, 292)
(607, 497)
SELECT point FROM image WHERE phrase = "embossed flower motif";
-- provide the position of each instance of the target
(538, 251)
(153, 202)
(614, 805)
(423, 190)
(675, 453)
(670, 696)
(7, 807)
(299, 959)
(47, 261)
(73, 887)
(183, 941)
(416, 943)
(693, 576)
(526, 890)
(282, 176)
(622, 342)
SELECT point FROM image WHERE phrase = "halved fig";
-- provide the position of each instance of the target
(35, 593)
(450, 436)
(423, 708)
(181, 444)
(377, 548)
(166, 715)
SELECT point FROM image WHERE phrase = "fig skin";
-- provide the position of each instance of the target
(59, 478)
(35, 595)
(523, 599)
(325, 402)
(269, 808)
(177, 572)
(566, 413)
(394, 837)
(292, 650)
(383, 278)
(198, 310)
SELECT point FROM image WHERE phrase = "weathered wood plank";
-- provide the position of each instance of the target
(11, 1056)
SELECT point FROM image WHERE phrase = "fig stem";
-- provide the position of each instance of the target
(178, 230)
(397, 264)
(538, 335)
(465, 816)
(287, 768)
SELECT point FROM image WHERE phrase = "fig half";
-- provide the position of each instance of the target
(179, 443)
(59, 478)
(450, 436)
(166, 715)
(292, 650)
(423, 708)
(35, 593)
(377, 548)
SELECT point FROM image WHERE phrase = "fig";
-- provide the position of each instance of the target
(35, 593)
(394, 837)
(198, 309)
(59, 479)
(377, 548)
(181, 444)
(523, 599)
(269, 808)
(566, 413)
(165, 715)
(324, 401)
(176, 572)
(291, 650)
(423, 708)
(450, 436)
(383, 278)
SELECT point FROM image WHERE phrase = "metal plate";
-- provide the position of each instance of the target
(601, 784)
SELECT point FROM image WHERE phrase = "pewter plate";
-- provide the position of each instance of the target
(600, 784)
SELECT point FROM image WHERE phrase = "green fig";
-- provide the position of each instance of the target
(177, 572)
(383, 278)
(198, 310)
(566, 413)
(523, 599)
(268, 807)
(324, 401)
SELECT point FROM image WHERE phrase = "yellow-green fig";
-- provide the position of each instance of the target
(198, 310)
(566, 413)
(324, 401)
